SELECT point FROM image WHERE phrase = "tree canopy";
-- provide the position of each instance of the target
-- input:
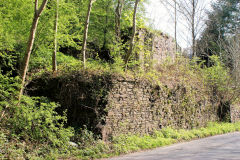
(223, 23)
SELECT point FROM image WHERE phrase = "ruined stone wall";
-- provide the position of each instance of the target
(235, 113)
(111, 105)
(160, 45)
(163, 47)
(135, 106)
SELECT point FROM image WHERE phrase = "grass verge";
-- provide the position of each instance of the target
(131, 143)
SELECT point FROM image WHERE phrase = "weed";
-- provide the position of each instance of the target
(124, 144)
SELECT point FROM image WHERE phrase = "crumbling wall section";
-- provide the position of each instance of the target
(137, 106)
(160, 45)
(111, 105)
(235, 113)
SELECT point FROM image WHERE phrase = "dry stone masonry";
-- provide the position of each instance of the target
(136, 106)
(111, 105)
(235, 113)
(160, 45)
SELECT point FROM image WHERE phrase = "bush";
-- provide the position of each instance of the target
(35, 119)
(217, 76)
(8, 87)
(32, 128)
(43, 60)
(85, 138)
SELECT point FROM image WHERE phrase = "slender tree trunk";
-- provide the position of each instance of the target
(84, 45)
(106, 25)
(175, 20)
(54, 59)
(105, 33)
(193, 29)
(118, 15)
(133, 33)
(31, 39)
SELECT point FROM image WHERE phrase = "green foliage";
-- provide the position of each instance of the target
(222, 23)
(131, 143)
(32, 128)
(15, 148)
(101, 29)
(84, 138)
(9, 150)
(7, 62)
(218, 80)
(44, 61)
(8, 87)
(214, 80)
(224, 17)
(68, 64)
(36, 120)
(15, 17)
(217, 75)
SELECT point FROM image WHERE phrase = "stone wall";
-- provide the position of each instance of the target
(136, 106)
(235, 113)
(160, 45)
(111, 105)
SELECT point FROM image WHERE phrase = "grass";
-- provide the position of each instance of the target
(124, 144)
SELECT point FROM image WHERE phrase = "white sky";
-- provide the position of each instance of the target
(162, 19)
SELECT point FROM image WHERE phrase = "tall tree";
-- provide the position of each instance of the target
(37, 14)
(118, 15)
(105, 30)
(171, 6)
(133, 33)
(84, 45)
(54, 60)
(232, 48)
(223, 23)
(175, 24)
(191, 13)
(193, 27)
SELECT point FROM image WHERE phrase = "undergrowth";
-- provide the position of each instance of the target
(124, 144)
(31, 129)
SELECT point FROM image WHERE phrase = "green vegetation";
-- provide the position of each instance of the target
(131, 143)
(222, 27)
(35, 130)
(36, 127)
(32, 129)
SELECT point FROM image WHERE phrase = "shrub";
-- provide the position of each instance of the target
(85, 138)
(8, 87)
(35, 119)
(32, 129)
(217, 76)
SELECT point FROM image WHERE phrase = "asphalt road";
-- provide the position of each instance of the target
(222, 147)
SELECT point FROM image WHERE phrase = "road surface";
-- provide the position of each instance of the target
(222, 147)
